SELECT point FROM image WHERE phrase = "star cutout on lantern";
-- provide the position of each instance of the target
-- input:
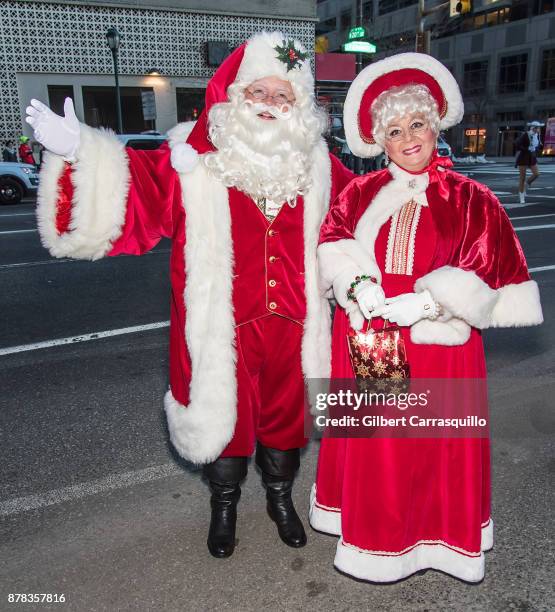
(363, 370)
(380, 367)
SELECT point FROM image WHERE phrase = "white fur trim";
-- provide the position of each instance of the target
(316, 342)
(461, 292)
(183, 157)
(100, 177)
(322, 518)
(426, 63)
(180, 132)
(517, 306)
(468, 297)
(260, 60)
(340, 262)
(449, 333)
(201, 430)
(387, 567)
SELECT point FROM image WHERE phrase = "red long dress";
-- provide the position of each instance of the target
(401, 505)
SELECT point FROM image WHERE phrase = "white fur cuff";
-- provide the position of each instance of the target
(518, 306)
(462, 293)
(100, 177)
(469, 298)
(340, 262)
(197, 433)
(449, 333)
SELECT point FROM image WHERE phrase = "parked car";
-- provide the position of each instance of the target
(142, 141)
(443, 148)
(17, 181)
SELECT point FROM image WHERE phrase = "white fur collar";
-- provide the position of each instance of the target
(414, 184)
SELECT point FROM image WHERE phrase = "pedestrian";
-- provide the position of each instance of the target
(8, 153)
(434, 253)
(25, 152)
(243, 200)
(527, 146)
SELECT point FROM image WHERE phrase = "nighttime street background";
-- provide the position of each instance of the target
(94, 503)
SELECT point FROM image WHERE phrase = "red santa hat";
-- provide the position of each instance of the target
(400, 69)
(264, 54)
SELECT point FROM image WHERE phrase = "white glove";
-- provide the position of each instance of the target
(61, 135)
(369, 296)
(408, 308)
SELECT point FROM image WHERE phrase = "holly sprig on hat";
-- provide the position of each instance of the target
(290, 55)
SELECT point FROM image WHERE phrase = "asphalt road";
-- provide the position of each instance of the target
(95, 505)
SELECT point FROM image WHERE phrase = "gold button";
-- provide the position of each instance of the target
(272, 259)
(272, 283)
(272, 305)
(271, 233)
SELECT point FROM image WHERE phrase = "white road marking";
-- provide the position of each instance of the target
(9, 216)
(19, 231)
(533, 227)
(502, 193)
(511, 206)
(532, 216)
(49, 262)
(86, 489)
(541, 268)
(83, 338)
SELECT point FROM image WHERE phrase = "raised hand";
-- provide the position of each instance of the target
(61, 135)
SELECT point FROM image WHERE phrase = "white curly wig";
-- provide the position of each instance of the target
(401, 101)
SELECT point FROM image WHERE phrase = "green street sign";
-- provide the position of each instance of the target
(354, 33)
(359, 46)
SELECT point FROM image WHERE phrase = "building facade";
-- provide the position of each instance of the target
(502, 55)
(50, 50)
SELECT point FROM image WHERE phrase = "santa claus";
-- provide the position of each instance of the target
(242, 200)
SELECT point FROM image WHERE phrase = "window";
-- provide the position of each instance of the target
(388, 6)
(509, 116)
(57, 95)
(547, 75)
(539, 7)
(512, 73)
(475, 78)
(190, 103)
(345, 20)
(368, 11)
(100, 108)
(323, 27)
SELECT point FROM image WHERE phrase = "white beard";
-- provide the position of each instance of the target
(263, 158)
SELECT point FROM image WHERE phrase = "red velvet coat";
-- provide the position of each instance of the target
(116, 200)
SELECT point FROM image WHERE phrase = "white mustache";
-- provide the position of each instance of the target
(278, 113)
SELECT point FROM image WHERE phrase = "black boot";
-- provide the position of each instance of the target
(224, 476)
(278, 472)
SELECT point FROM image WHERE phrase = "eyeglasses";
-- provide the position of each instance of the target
(397, 134)
(279, 98)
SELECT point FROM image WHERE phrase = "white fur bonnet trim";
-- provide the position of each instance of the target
(420, 61)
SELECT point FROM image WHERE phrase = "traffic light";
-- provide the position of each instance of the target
(459, 7)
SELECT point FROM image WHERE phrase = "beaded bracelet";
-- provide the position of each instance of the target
(356, 282)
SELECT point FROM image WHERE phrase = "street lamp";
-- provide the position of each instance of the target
(114, 39)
